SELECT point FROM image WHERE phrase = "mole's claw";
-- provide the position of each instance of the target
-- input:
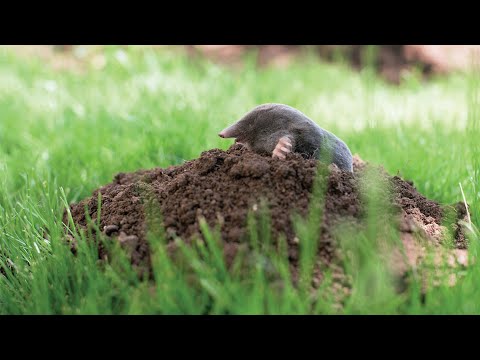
(278, 154)
(284, 146)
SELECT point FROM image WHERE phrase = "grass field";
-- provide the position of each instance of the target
(64, 134)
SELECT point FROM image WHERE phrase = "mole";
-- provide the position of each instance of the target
(279, 129)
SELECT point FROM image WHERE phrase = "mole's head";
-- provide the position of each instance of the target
(255, 127)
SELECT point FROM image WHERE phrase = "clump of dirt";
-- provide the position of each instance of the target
(222, 187)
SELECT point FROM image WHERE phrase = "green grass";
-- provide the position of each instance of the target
(62, 135)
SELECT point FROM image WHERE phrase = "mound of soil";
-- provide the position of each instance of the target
(224, 186)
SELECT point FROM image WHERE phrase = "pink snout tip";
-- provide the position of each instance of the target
(221, 134)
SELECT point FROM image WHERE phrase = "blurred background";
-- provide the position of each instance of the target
(393, 62)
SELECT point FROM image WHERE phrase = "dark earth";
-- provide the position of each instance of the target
(224, 186)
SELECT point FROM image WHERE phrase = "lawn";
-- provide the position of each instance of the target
(65, 133)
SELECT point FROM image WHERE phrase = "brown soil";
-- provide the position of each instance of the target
(223, 186)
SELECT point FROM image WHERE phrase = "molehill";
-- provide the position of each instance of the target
(224, 186)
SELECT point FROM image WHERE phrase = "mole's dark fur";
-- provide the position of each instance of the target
(262, 128)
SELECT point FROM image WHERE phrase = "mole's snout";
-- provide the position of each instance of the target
(229, 132)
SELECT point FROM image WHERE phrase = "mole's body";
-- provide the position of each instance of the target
(278, 129)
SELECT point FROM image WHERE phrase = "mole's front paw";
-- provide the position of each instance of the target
(283, 147)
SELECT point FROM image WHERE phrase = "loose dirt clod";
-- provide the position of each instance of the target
(222, 187)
